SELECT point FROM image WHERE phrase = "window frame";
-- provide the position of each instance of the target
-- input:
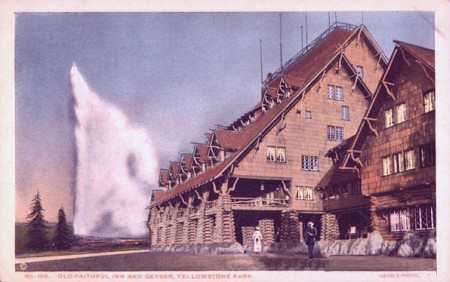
(389, 119)
(430, 156)
(386, 163)
(335, 133)
(308, 115)
(332, 92)
(403, 115)
(275, 157)
(360, 71)
(310, 163)
(412, 162)
(427, 109)
(345, 113)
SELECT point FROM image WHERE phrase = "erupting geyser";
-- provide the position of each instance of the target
(115, 168)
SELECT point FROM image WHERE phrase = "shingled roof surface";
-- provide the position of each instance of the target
(306, 69)
(230, 139)
(202, 151)
(187, 160)
(424, 54)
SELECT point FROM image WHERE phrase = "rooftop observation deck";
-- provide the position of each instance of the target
(301, 53)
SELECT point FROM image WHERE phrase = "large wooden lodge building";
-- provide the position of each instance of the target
(342, 137)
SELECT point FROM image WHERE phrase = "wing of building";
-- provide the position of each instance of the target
(393, 151)
(263, 169)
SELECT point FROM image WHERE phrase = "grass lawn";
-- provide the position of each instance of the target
(80, 245)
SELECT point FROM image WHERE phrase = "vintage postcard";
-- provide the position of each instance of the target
(224, 142)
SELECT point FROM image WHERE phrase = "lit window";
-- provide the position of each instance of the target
(400, 220)
(399, 162)
(401, 113)
(310, 163)
(308, 115)
(429, 101)
(427, 155)
(360, 71)
(270, 154)
(410, 158)
(281, 155)
(387, 166)
(309, 195)
(388, 118)
(345, 112)
(276, 154)
(299, 193)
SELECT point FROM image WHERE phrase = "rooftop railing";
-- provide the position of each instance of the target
(301, 53)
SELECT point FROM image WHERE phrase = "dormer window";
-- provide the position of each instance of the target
(360, 71)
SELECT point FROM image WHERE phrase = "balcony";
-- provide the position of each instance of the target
(259, 203)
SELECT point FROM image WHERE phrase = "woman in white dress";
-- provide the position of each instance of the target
(257, 240)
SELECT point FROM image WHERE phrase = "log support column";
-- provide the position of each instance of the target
(289, 227)
(330, 227)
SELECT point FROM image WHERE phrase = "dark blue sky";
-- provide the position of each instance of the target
(176, 74)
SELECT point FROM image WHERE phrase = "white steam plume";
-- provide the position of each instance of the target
(115, 168)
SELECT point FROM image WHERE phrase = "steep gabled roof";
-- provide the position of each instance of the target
(230, 139)
(308, 68)
(163, 177)
(423, 56)
(174, 168)
(186, 161)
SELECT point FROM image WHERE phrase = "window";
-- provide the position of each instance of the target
(308, 115)
(299, 193)
(281, 154)
(388, 118)
(331, 133)
(310, 163)
(339, 133)
(400, 220)
(360, 71)
(429, 101)
(410, 157)
(427, 155)
(335, 93)
(418, 218)
(401, 113)
(424, 217)
(345, 112)
(309, 195)
(270, 153)
(399, 162)
(276, 154)
(356, 187)
(335, 133)
(304, 193)
(331, 92)
(387, 166)
(339, 93)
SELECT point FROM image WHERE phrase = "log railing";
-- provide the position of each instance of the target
(259, 202)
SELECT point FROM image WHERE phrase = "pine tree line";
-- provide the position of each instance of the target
(37, 229)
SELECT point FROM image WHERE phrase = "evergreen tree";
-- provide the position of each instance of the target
(37, 239)
(63, 236)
